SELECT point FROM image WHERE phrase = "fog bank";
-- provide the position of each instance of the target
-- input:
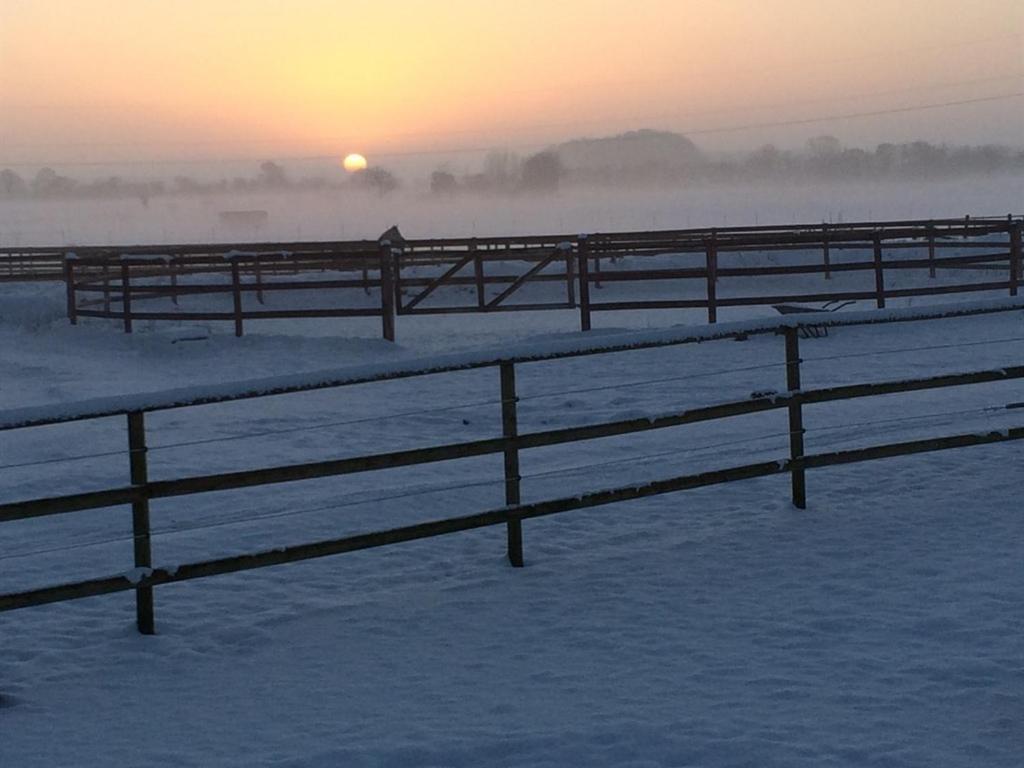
(345, 214)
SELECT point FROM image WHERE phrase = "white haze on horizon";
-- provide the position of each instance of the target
(346, 214)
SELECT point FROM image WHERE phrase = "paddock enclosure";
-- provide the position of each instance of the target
(710, 270)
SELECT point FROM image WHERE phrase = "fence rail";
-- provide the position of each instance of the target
(18, 266)
(510, 444)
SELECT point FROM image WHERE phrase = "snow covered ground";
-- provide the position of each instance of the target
(717, 627)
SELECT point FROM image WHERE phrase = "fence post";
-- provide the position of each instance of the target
(1015, 258)
(236, 295)
(879, 277)
(126, 296)
(711, 268)
(396, 279)
(583, 269)
(69, 280)
(931, 250)
(387, 292)
(106, 287)
(172, 268)
(478, 275)
(796, 417)
(1020, 254)
(510, 429)
(139, 474)
(257, 270)
(570, 281)
(826, 256)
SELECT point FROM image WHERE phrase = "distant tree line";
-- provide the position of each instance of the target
(634, 158)
(271, 176)
(48, 183)
(822, 158)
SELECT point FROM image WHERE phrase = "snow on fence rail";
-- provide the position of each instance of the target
(544, 272)
(141, 490)
(526, 352)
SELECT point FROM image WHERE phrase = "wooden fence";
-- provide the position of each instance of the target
(509, 444)
(31, 264)
(120, 284)
(388, 279)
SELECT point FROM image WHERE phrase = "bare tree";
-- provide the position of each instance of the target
(542, 172)
(443, 183)
(11, 184)
(380, 180)
(272, 175)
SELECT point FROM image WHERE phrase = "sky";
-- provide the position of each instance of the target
(91, 81)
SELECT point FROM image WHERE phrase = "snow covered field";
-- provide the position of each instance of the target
(716, 627)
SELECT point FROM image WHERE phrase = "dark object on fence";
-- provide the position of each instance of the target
(811, 331)
(392, 236)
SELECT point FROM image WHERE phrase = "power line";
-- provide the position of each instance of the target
(648, 456)
(485, 148)
(646, 382)
(901, 350)
(853, 115)
(250, 435)
(343, 140)
(328, 425)
(62, 459)
(419, 490)
(947, 416)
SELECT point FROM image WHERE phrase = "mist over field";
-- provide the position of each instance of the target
(347, 214)
(638, 180)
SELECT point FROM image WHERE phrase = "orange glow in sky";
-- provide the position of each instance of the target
(88, 78)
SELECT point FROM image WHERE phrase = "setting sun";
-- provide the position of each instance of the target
(354, 162)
